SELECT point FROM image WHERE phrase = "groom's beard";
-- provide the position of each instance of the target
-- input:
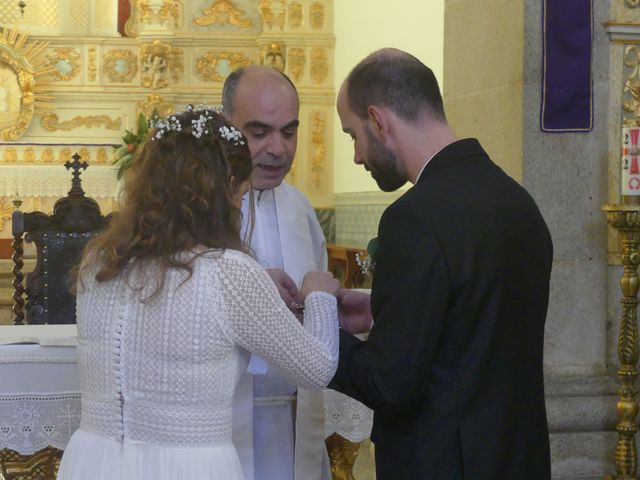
(383, 165)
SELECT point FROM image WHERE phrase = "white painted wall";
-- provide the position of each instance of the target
(362, 26)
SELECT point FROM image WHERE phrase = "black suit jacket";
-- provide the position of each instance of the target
(453, 365)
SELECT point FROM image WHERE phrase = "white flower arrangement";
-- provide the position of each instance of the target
(367, 260)
(365, 263)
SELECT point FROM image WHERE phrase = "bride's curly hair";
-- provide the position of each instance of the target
(178, 194)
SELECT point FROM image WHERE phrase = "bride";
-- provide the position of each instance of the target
(169, 307)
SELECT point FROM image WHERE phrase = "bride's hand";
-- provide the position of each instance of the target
(319, 282)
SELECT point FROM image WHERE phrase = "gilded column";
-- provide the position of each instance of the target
(626, 220)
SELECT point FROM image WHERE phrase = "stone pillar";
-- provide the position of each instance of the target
(567, 175)
(492, 90)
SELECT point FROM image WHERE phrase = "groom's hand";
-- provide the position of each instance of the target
(286, 286)
(354, 311)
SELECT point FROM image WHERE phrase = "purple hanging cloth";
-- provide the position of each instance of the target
(567, 87)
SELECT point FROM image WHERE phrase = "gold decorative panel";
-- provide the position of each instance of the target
(295, 15)
(47, 155)
(269, 16)
(52, 123)
(65, 155)
(632, 3)
(92, 69)
(154, 102)
(10, 155)
(223, 12)
(216, 66)
(296, 59)
(29, 155)
(319, 65)
(102, 156)
(317, 15)
(631, 103)
(120, 65)
(39, 155)
(273, 56)
(168, 9)
(159, 63)
(317, 148)
(65, 62)
(84, 154)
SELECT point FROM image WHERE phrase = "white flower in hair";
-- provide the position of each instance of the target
(231, 135)
(200, 107)
(163, 126)
(199, 126)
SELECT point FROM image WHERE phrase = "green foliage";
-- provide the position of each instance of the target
(372, 249)
(132, 143)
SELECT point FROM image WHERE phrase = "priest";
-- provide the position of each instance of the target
(287, 240)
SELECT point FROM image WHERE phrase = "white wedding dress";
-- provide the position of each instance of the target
(158, 377)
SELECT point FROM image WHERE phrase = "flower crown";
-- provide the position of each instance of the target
(199, 126)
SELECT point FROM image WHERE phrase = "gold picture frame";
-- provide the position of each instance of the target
(22, 67)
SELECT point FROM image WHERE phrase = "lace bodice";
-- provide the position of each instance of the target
(164, 371)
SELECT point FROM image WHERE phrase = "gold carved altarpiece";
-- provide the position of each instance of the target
(177, 52)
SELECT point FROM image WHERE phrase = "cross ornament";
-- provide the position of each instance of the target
(76, 165)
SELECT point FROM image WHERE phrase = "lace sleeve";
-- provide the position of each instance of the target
(260, 322)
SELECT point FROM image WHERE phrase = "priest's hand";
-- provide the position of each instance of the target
(319, 282)
(354, 311)
(286, 286)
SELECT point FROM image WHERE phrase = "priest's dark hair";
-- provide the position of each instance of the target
(396, 80)
(180, 194)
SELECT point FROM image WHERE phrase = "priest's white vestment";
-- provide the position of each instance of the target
(287, 235)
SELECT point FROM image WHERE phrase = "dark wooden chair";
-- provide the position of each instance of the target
(59, 239)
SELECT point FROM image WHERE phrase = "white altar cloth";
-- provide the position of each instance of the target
(39, 387)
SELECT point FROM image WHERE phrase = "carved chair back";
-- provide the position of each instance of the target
(59, 240)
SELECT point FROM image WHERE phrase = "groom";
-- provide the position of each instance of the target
(452, 366)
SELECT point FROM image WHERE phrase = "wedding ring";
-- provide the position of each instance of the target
(297, 307)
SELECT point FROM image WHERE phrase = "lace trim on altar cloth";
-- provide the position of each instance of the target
(29, 423)
(347, 417)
